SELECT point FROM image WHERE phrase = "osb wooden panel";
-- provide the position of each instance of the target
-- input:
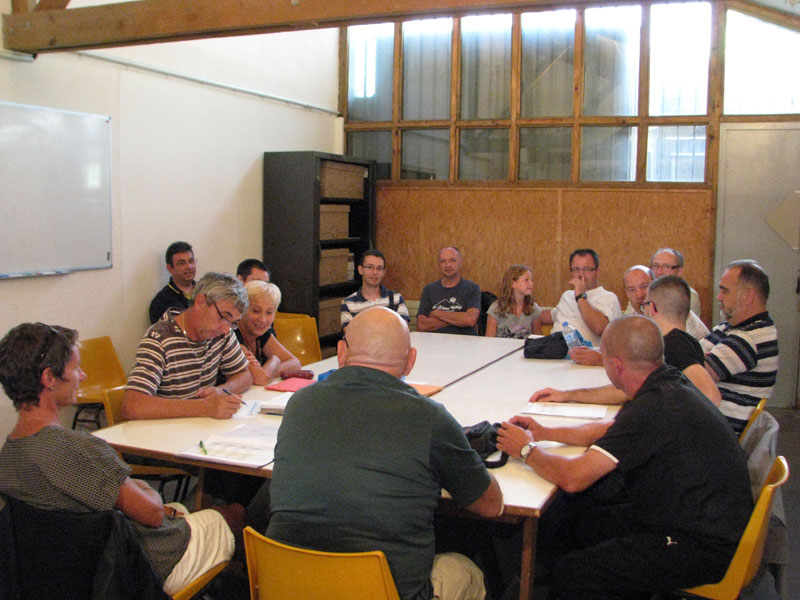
(496, 228)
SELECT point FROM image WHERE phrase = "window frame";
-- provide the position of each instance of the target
(711, 120)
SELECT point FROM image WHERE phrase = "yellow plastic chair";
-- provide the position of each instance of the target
(281, 572)
(112, 402)
(747, 558)
(194, 587)
(103, 370)
(299, 336)
(753, 416)
(287, 315)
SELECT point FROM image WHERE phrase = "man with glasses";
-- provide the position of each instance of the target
(372, 268)
(587, 307)
(668, 261)
(181, 356)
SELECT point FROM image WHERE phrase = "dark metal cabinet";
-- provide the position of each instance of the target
(298, 186)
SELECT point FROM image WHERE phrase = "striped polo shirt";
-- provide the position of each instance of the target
(170, 365)
(745, 358)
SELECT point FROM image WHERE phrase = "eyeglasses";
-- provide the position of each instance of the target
(645, 303)
(582, 269)
(373, 267)
(47, 342)
(663, 267)
(224, 319)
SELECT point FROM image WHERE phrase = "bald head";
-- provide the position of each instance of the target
(634, 339)
(378, 338)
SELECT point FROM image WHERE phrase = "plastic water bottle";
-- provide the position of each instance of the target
(570, 336)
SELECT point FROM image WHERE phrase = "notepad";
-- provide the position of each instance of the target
(426, 389)
(290, 385)
(276, 405)
(248, 445)
(557, 409)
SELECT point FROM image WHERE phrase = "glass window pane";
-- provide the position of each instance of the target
(676, 153)
(483, 154)
(369, 73)
(760, 67)
(426, 154)
(608, 154)
(486, 67)
(376, 145)
(548, 56)
(680, 45)
(545, 153)
(611, 77)
(426, 69)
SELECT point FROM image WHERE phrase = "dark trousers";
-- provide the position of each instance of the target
(593, 550)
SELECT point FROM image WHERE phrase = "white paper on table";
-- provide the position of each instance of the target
(558, 409)
(251, 445)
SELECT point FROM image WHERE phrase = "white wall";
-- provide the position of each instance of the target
(186, 159)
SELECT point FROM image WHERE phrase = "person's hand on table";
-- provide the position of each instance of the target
(586, 356)
(548, 395)
(222, 405)
(511, 438)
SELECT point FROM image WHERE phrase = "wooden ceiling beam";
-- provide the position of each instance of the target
(150, 21)
(51, 4)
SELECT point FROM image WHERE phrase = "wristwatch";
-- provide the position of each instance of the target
(526, 450)
(579, 296)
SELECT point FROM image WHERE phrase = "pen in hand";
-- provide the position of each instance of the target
(203, 447)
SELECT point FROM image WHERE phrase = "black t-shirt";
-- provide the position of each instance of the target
(681, 350)
(682, 464)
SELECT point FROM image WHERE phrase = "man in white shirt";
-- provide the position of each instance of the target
(587, 307)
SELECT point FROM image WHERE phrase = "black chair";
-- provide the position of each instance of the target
(72, 556)
(486, 301)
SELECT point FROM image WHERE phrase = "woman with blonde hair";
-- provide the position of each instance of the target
(268, 357)
(514, 314)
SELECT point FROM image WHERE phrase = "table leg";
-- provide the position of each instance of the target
(200, 500)
(529, 525)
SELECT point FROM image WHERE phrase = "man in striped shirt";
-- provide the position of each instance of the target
(372, 292)
(742, 352)
(180, 357)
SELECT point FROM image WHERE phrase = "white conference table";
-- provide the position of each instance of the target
(444, 358)
(497, 393)
(483, 379)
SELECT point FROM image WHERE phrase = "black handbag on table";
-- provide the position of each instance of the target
(550, 346)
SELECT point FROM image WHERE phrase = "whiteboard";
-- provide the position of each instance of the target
(55, 191)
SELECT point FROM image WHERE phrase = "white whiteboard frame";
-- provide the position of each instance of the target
(55, 191)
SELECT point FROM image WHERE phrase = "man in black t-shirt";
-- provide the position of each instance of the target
(667, 303)
(682, 497)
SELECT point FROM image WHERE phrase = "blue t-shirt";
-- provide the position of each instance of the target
(464, 295)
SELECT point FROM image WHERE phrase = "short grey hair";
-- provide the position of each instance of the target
(258, 288)
(678, 256)
(217, 287)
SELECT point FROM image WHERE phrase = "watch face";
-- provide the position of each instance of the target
(526, 449)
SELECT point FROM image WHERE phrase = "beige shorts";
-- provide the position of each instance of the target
(455, 577)
(211, 543)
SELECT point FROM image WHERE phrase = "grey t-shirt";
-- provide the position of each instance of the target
(511, 326)
(73, 471)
